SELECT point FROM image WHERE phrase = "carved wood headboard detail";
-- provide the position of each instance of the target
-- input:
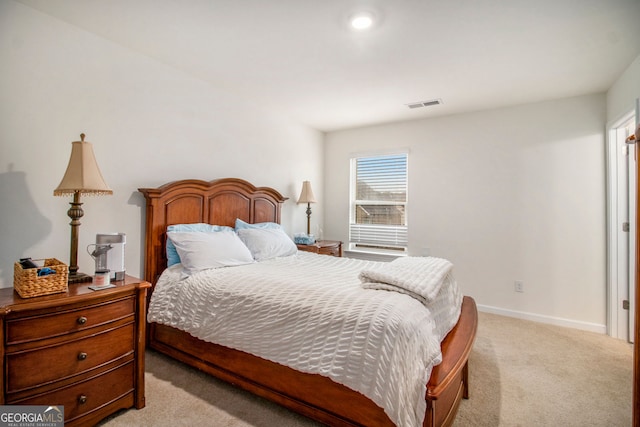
(190, 201)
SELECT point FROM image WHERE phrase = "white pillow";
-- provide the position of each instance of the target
(172, 254)
(200, 251)
(267, 243)
(240, 224)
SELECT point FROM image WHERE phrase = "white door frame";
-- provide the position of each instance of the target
(618, 254)
(633, 268)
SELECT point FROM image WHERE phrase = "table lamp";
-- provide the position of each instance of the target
(82, 177)
(306, 196)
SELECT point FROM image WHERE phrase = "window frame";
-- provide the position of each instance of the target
(401, 231)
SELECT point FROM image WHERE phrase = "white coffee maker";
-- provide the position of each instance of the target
(115, 259)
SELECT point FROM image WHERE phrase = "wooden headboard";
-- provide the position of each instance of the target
(190, 201)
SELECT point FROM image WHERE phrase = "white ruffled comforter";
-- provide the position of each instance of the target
(309, 312)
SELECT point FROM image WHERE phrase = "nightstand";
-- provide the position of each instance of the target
(324, 247)
(82, 349)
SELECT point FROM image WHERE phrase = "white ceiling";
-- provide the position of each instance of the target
(299, 57)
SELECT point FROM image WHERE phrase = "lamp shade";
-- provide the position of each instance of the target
(306, 195)
(82, 175)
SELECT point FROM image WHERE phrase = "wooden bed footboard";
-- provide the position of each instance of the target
(319, 397)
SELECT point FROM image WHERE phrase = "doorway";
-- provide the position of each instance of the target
(621, 227)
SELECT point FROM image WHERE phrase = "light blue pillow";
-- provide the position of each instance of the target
(241, 225)
(172, 253)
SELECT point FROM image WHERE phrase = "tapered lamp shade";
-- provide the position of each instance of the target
(306, 195)
(83, 174)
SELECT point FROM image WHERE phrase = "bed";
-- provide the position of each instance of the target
(222, 202)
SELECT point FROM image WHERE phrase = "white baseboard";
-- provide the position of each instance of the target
(558, 321)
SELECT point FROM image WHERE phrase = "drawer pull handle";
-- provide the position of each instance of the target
(82, 320)
(82, 355)
(82, 399)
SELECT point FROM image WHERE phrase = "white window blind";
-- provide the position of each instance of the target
(379, 203)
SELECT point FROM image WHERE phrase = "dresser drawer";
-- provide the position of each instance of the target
(329, 250)
(55, 324)
(66, 359)
(83, 397)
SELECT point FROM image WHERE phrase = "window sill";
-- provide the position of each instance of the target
(371, 255)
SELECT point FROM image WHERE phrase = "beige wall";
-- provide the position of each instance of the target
(149, 124)
(622, 96)
(509, 194)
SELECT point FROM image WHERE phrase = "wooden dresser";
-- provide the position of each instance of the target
(82, 349)
(324, 247)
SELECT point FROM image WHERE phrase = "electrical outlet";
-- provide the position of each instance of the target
(518, 286)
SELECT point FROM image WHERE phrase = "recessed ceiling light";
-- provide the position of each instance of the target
(362, 21)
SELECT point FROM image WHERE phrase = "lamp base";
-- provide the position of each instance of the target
(78, 277)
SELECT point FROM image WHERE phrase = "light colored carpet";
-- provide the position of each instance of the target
(521, 374)
(531, 374)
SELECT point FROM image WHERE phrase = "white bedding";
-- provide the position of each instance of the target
(418, 277)
(309, 312)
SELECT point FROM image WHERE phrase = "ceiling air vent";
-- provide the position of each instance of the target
(421, 104)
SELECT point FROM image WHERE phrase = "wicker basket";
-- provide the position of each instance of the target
(28, 284)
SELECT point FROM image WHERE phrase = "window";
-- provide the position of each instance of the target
(378, 218)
